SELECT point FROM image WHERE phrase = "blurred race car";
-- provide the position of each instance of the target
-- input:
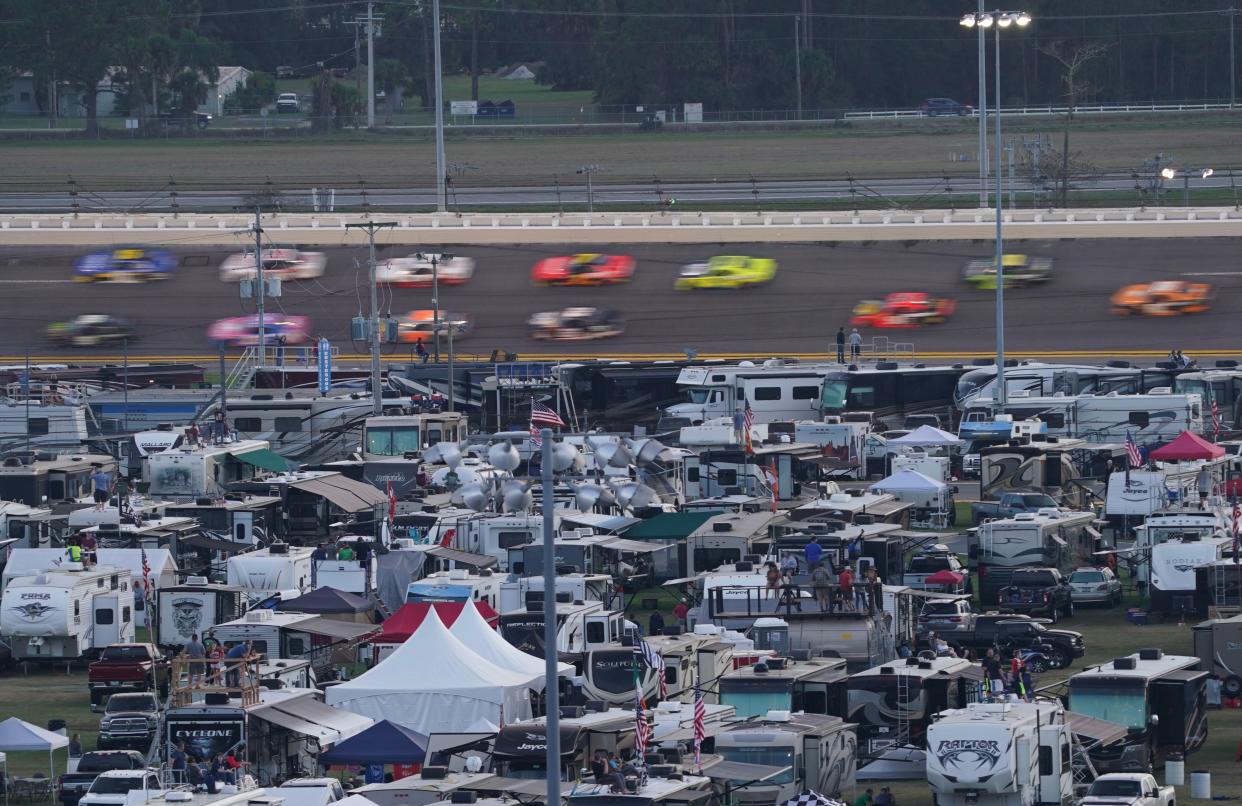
(577, 324)
(414, 271)
(1020, 270)
(285, 264)
(903, 309)
(90, 330)
(584, 269)
(419, 326)
(128, 264)
(1163, 298)
(243, 331)
(727, 271)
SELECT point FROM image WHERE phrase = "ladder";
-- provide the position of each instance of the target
(1224, 606)
(902, 727)
(1082, 770)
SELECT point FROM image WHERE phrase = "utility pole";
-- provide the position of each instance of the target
(982, 111)
(371, 227)
(371, 65)
(260, 291)
(435, 304)
(1233, 65)
(589, 170)
(441, 168)
(452, 380)
(798, 62)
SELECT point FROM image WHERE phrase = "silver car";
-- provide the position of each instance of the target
(1095, 586)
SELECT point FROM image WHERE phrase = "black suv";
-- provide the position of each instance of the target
(1007, 632)
(944, 106)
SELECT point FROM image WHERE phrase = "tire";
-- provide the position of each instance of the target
(1058, 659)
(1054, 615)
(1037, 665)
(1231, 686)
(1069, 608)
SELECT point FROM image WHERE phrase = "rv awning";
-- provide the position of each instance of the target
(596, 520)
(668, 526)
(1058, 540)
(460, 557)
(340, 630)
(309, 717)
(621, 544)
(1099, 730)
(215, 544)
(264, 459)
(518, 786)
(349, 495)
(1093, 532)
(524, 741)
(740, 771)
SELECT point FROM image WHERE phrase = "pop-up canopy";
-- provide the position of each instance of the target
(1187, 447)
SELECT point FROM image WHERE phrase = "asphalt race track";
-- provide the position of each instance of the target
(798, 313)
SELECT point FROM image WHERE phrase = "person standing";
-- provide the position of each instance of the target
(682, 614)
(655, 625)
(346, 552)
(101, 485)
(855, 344)
(841, 345)
(814, 552)
(234, 659)
(821, 583)
(864, 799)
(197, 654)
(75, 743)
(845, 582)
(877, 591)
(992, 674)
(177, 759)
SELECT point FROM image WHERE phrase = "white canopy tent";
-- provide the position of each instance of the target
(907, 480)
(433, 683)
(17, 734)
(472, 630)
(932, 499)
(926, 436)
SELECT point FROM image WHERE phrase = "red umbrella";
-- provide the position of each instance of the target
(1187, 447)
(945, 577)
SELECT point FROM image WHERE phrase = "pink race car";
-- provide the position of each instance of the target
(243, 331)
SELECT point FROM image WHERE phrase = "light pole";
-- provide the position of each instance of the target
(589, 171)
(998, 20)
(441, 169)
(982, 111)
(1171, 173)
(377, 396)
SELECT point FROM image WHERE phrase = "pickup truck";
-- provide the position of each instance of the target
(1037, 592)
(130, 721)
(1009, 632)
(1010, 504)
(127, 667)
(921, 566)
(71, 786)
(1128, 789)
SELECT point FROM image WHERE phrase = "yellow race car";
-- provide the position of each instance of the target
(727, 271)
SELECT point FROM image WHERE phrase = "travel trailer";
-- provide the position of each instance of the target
(1036, 379)
(582, 627)
(1148, 418)
(812, 751)
(893, 705)
(457, 585)
(67, 612)
(1134, 495)
(1173, 564)
(1000, 754)
(194, 608)
(292, 636)
(206, 470)
(1218, 644)
(280, 567)
(1159, 698)
(1048, 538)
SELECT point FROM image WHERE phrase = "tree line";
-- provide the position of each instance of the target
(726, 54)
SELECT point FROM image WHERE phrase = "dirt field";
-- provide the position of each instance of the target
(871, 151)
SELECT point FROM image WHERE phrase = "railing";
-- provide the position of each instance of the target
(1036, 111)
(791, 599)
(193, 680)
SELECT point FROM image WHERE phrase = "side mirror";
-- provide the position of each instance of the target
(1154, 719)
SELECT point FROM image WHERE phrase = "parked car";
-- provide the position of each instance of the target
(1011, 504)
(1037, 592)
(1095, 585)
(933, 107)
(129, 722)
(938, 558)
(1128, 789)
(1007, 632)
(945, 616)
(288, 102)
(71, 786)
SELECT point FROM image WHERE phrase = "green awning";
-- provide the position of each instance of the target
(668, 526)
(263, 458)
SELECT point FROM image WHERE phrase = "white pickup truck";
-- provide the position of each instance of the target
(1128, 789)
(134, 787)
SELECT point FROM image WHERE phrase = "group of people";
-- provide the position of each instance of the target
(833, 590)
(1179, 360)
(80, 548)
(855, 342)
(208, 773)
(211, 662)
(610, 770)
(1019, 676)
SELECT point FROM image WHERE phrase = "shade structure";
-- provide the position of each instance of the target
(398, 627)
(383, 743)
(18, 734)
(326, 600)
(474, 632)
(926, 435)
(945, 577)
(433, 683)
(908, 480)
(1187, 447)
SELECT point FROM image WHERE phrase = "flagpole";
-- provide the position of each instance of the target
(551, 693)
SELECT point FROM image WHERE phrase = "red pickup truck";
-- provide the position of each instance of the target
(128, 667)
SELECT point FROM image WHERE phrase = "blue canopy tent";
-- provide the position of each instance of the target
(382, 743)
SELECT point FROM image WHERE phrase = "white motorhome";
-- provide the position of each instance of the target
(67, 612)
(486, 533)
(812, 751)
(1000, 754)
(519, 593)
(1161, 527)
(1173, 565)
(1149, 418)
(406, 436)
(581, 627)
(1048, 538)
(777, 389)
(299, 424)
(1037, 379)
(1141, 492)
(280, 567)
(206, 470)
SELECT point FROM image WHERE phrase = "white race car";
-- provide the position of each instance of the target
(285, 264)
(415, 271)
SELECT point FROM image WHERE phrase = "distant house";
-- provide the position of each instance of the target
(231, 80)
(519, 73)
(20, 97)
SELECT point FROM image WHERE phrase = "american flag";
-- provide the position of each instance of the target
(748, 420)
(652, 659)
(700, 729)
(146, 577)
(543, 415)
(1215, 420)
(536, 441)
(640, 716)
(1132, 452)
(392, 504)
(1237, 530)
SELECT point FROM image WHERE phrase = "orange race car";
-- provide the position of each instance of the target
(1163, 298)
(584, 269)
(903, 309)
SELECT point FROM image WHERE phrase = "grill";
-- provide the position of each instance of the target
(128, 725)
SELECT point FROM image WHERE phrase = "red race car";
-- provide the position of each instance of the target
(904, 309)
(585, 269)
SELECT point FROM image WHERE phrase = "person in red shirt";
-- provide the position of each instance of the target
(846, 581)
(681, 613)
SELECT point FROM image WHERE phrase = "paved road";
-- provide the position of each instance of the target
(812, 295)
(875, 193)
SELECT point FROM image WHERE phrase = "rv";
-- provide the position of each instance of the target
(457, 585)
(519, 593)
(805, 684)
(1173, 564)
(1044, 463)
(726, 539)
(47, 421)
(580, 629)
(1000, 754)
(1148, 418)
(894, 704)
(23, 526)
(1036, 379)
(238, 518)
(776, 390)
(313, 500)
(278, 568)
(206, 470)
(1221, 386)
(483, 533)
(301, 424)
(1139, 493)
(1159, 698)
(194, 608)
(1163, 526)
(1218, 644)
(292, 636)
(811, 751)
(67, 612)
(855, 507)
(1048, 538)
(40, 479)
(385, 439)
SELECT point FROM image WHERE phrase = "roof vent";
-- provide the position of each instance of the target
(1123, 663)
(1150, 653)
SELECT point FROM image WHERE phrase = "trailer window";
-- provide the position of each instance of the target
(595, 632)
(767, 393)
(36, 426)
(288, 424)
(805, 392)
(1139, 419)
(105, 616)
(1112, 699)
(726, 478)
(508, 540)
(247, 424)
(1045, 760)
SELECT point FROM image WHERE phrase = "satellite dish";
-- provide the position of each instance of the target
(565, 457)
(646, 451)
(515, 496)
(610, 454)
(447, 453)
(633, 495)
(503, 456)
(587, 496)
(472, 496)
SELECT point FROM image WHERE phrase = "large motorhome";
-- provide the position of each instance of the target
(1048, 538)
(41, 479)
(1000, 754)
(1159, 698)
(894, 703)
(1148, 418)
(1173, 565)
(1037, 379)
(806, 684)
(812, 751)
(194, 471)
(67, 612)
(1221, 386)
(406, 436)
(1041, 463)
(300, 424)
